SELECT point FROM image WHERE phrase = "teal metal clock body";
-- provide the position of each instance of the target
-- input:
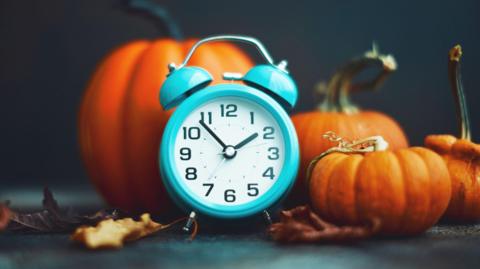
(229, 150)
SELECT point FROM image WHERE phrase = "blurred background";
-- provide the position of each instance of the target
(48, 49)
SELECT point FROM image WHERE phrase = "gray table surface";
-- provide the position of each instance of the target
(443, 246)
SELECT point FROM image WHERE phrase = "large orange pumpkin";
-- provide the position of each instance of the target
(339, 115)
(461, 155)
(406, 190)
(121, 121)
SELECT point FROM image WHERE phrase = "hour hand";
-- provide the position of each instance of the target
(246, 141)
(213, 134)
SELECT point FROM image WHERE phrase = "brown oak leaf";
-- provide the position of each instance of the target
(302, 225)
(53, 219)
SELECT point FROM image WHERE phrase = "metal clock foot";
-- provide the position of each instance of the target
(191, 219)
(267, 217)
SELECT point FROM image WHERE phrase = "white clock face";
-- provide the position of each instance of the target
(229, 151)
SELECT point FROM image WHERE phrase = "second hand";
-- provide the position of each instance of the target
(216, 168)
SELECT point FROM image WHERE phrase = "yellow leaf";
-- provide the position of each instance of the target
(114, 233)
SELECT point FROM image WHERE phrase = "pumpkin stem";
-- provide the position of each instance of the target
(457, 88)
(158, 13)
(340, 85)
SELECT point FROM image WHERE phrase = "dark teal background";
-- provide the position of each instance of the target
(49, 48)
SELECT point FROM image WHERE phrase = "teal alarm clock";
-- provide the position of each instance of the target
(229, 150)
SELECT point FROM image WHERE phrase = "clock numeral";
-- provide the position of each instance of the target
(210, 187)
(252, 189)
(273, 153)
(229, 196)
(191, 173)
(209, 117)
(228, 110)
(268, 132)
(269, 173)
(252, 118)
(185, 154)
(191, 132)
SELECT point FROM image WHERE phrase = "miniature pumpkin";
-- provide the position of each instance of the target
(461, 155)
(339, 115)
(406, 190)
(121, 121)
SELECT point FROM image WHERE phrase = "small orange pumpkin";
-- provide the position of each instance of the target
(461, 155)
(406, 190)
(339, 115)
(121, 121)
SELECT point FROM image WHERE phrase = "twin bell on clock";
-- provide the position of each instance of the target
(229, 150)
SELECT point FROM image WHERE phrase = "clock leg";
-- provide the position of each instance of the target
(191, 219)
(266, 216)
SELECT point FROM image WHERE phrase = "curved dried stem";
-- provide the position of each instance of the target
(340, 85)
(457, 89)
(158, 13)
(367, 144)
(195, 230)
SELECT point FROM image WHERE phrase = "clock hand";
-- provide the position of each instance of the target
(247, 147)
(212, 134)
(215, 170)
(246, 141)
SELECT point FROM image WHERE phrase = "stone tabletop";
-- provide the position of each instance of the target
(443, 246)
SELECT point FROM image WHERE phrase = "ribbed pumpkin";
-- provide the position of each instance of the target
(407, 190)
(339, 115)
(461, 155)
(121, 121)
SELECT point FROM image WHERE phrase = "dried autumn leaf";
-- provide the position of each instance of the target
(53, 219)
(301, 225)
(114, 233)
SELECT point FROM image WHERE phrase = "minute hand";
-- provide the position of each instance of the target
(246, 141)
(212, 134)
